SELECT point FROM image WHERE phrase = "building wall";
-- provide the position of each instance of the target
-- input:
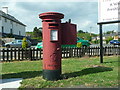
(10, 25)
(0, 27)
(0, 24)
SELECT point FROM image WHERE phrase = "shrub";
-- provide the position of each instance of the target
(79, 44)
(24, 43)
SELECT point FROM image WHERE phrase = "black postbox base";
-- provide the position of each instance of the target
(52, 75)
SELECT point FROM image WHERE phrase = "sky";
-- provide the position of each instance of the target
(84, 13)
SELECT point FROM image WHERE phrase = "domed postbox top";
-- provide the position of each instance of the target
(51, 15)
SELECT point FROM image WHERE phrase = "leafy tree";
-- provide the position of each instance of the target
(81, 31)
(109, 32)
(37, 32)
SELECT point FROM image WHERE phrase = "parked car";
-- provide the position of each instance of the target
(16, 43)
(84, 43)
(115, 42)
(39, 45)
(2, 43)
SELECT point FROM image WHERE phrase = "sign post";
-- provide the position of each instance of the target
(101, 44)
(109, 11)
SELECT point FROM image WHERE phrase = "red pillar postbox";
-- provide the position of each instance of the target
(51, 23)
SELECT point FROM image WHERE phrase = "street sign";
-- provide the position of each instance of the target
(108, 10)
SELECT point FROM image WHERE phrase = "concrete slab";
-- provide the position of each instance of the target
(10, 83)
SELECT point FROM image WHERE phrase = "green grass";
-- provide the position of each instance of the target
(76, 72)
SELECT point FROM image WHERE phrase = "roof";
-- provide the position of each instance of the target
(10, 17)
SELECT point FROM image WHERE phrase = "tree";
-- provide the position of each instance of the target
(81, 31)
(37, 32)
(109, 32)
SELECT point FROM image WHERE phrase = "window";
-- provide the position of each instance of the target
(19, 33)
(2, 29)
(0, 17)
(11, 31)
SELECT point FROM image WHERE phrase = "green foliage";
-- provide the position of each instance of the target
(81, 31)
(85, 35)
(118, 39)
(38, 38)
(29, 32)
(82, 72)
(79, 44)
(24, 43)
(37, 32)
(109, 32)
(108, 39)
(96, 42)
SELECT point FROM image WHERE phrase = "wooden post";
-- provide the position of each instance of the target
(7, 54)
(15, 53)
(40, 53)
(18, 53)
(3, 51)
(11, 54)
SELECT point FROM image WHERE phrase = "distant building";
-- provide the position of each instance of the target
(114, 35)
(10, 25)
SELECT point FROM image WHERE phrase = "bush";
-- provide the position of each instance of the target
(96, 42)
(79, 44)
(24, 43)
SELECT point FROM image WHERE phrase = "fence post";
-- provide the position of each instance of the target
(7, 54)
(11, 54)
(18, 53)
(22, 53)
(40, 53)
(3, 57)
(37, 54)
(118, 50)
(70, 52)
(15, 53)
(30, 54)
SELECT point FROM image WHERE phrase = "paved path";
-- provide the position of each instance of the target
(10, 83)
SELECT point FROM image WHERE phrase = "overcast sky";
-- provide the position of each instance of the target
(82, 13)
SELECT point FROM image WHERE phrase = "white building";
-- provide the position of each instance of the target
(9, 24)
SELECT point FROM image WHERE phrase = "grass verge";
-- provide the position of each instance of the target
(76, 72)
